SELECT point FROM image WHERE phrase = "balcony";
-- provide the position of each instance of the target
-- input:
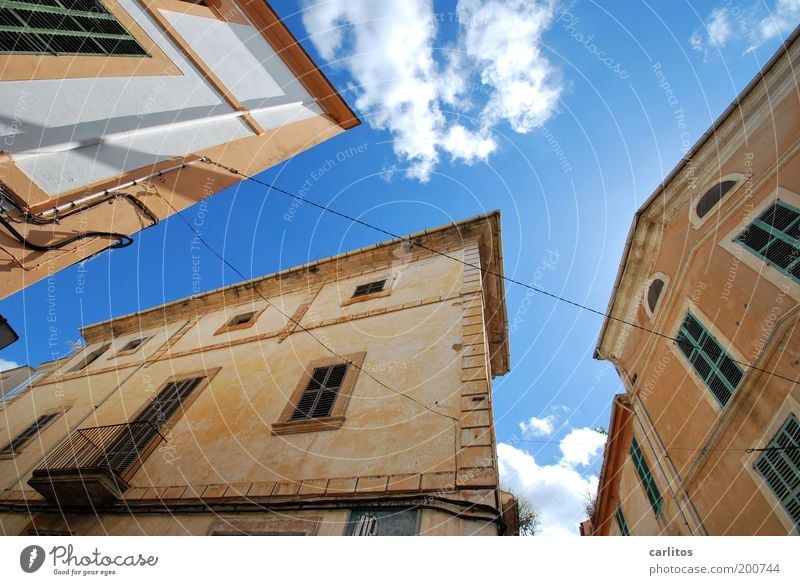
(93, 465)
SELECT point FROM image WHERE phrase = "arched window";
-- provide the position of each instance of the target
(654, 293)
(713, 196)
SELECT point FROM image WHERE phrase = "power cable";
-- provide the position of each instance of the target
(682, 342)
(329, 349)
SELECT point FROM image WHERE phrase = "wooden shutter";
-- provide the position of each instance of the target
(320, 393)
(28, 433)
(136, 437)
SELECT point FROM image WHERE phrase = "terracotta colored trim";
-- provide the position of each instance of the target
(616, 451)
(299, 62)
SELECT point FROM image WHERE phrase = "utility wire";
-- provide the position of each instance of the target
(333, 352)
(683, 342)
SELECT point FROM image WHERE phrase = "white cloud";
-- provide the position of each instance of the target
(388, 49)
(755, 24)
(538, 427)
(557, 492)
(783, 20)
(580, 446)
(719, 27)
(7, 365)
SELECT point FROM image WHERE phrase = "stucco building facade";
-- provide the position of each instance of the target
(111, 112)
(705, 438)
(351, 395)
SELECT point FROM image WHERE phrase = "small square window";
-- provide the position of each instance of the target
(369, 288)
(241, 319)
(133, 344)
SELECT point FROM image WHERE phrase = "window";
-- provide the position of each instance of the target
(133, 345)
(19, 388)
(31, 431)
(369, 288)
(720, 373)
(648, 481)
(89, 358)
(320, 399)
(654, 293)
(321, 391)
(240, 321)
(623, 526)
(66, 27)
(713, 196)
(134, 439)
(779, 465)
(383, 523)
(775, 238)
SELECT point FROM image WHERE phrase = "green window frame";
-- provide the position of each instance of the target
(623, 526)
(774, 236)
(648, 481)
(64, 27)
(779, 465)
(715, 366)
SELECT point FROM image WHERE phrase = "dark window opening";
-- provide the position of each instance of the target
(654, 293)
(71, 27)
(369, 288)
(31, 431)
(241, 319)
(713, 196)
(90, 357)
(134, 344)
(320, 393)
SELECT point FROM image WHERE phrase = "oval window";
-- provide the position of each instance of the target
(654, 293)
(711, 197)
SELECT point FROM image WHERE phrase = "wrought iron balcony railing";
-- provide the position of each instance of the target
(94, 465)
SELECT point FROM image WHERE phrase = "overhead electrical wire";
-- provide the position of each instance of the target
(294, 321)
(484, 270)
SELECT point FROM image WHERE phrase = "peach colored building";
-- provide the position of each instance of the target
(350, 395)
(706, 438)
(110, 111)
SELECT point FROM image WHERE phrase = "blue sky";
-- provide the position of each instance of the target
(557, 114)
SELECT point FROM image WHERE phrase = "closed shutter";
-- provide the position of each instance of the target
(137, 436)
(28, 433)
(779, 465)
(320, 393)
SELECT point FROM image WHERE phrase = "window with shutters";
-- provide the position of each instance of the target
(774, 236)
(383, 522)
(646, 476)
(320, 399)
(715, 366)
(369, 288)
(89, 358)
(779, 465)
(27, 434)
(623, 526)
(366, 291)
(64, 27)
